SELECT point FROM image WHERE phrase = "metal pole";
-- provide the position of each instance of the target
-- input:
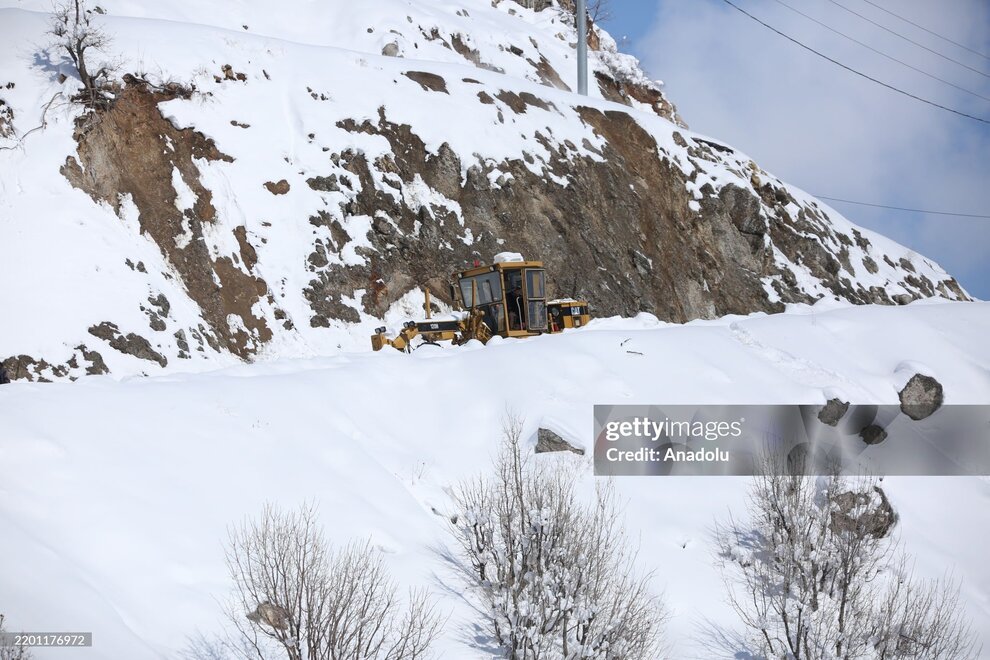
(582, 48)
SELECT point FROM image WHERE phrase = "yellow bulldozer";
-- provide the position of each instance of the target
(507, 298)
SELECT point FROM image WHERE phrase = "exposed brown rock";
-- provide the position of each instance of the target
(230, 74)
(625, 92)
(131, 150)
(129, 344)
(624, 232)
(25, 367)
(622, 235)
(96, 364)
(430, 82)
(549, 75)
(519, 102)
(277, 188)
(471, 54)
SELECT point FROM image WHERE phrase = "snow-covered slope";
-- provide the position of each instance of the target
(115, 496)
(315, 162)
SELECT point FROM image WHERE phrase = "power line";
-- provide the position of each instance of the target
(884, 27)
(852, 70)
(879, 52)
(901, 208)
(922, 27)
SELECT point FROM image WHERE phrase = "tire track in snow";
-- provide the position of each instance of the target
(799, 369)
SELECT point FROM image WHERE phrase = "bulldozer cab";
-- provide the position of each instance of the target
(511, 295)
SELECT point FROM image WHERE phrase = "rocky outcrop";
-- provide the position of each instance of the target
(28, 368)
(129, 344)
(129, 154)
(628, 225)
(624, 232)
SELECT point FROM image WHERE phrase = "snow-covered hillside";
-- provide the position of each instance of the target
(115, 496)
(273, 179)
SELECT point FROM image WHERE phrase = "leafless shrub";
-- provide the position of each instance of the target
(10, 651)
(812, 575)
(921, 619)
(74, 31)
(166, 88)
(599, 11)
(556, 576)
(204, 647)
(298, 598)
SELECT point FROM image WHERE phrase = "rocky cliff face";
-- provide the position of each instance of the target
(284, 197)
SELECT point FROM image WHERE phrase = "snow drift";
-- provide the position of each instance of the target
(115, 496)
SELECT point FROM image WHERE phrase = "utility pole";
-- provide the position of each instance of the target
(581, 15)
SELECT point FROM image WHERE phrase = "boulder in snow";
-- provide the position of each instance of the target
(833, 411)
(921, 397)
(548, 441)
(869, 512)
(873, 434)
(277, 188)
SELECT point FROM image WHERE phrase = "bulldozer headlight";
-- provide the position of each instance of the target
(380, 331)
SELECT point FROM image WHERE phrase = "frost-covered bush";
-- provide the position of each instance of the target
(299, 598)
(814, 573)
(8, 651)
(75, 31)
(554, 574)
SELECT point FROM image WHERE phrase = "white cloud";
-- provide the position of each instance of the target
(834, 133)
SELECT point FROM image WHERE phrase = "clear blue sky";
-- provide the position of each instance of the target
(829, 131)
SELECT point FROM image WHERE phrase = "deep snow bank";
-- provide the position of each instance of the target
(115, 496)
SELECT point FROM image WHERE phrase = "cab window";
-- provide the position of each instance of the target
(535, 284)
(487, 286)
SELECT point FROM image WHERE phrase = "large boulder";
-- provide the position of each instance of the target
(921, 397)
(548, 441)
(866, 513)
(833, 411)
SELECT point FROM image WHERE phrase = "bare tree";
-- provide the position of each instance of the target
(298, 598)
(9, 650)
(556, 576)
(74, 31)
(600, 10)
(814, 574)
